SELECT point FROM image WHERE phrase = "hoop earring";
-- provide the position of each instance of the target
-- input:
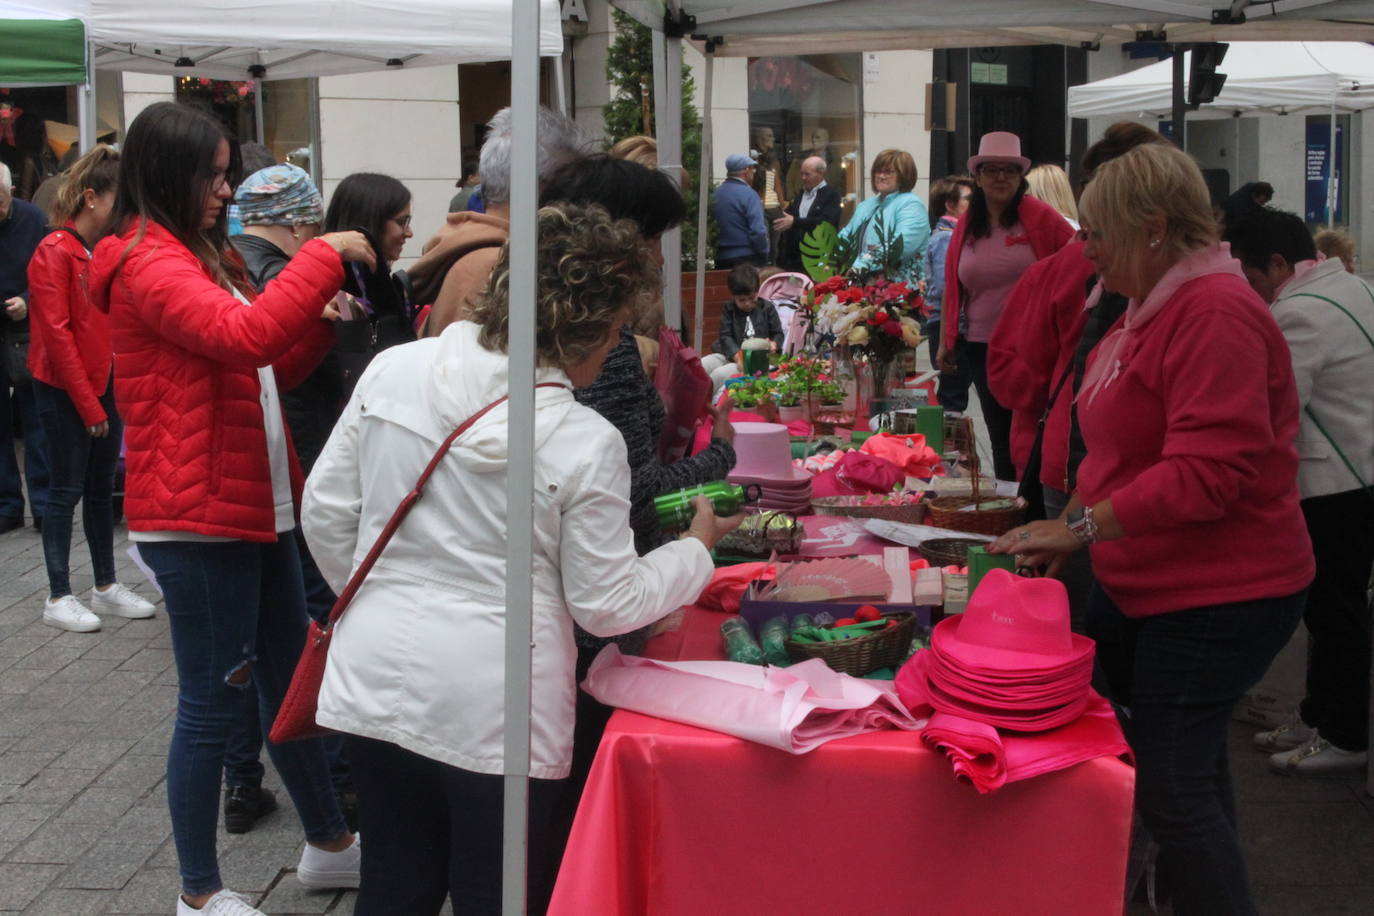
(1156, 243)
(295, 232)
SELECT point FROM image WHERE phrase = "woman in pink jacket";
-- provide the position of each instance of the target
(212, 482)
(1188, 499)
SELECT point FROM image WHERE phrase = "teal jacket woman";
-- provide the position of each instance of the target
(902, 214)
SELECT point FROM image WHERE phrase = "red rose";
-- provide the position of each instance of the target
(894, 328)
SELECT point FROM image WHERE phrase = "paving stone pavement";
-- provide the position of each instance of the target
(85, 720)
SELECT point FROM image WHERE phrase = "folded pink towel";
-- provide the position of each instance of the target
(793, 709)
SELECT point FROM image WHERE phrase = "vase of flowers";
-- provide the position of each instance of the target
(876, 324)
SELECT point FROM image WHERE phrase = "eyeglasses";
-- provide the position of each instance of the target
(878, 172)
(1005, 171)
(402, 221)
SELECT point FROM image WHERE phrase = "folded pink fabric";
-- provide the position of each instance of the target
(794, 709)
(987, 758)
(729, 583)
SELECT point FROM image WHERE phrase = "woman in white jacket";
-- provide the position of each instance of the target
(1327, 318)
(416, 670)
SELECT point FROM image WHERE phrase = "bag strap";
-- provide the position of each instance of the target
(407, 503)
(1308, 410)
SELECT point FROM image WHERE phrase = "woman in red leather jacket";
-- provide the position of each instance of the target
(212, 482)
(69, 357)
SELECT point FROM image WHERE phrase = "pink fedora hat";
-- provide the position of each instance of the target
(1014, 623)
(998, 146)
(763, 454)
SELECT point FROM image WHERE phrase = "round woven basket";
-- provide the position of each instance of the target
(948, 551)
(883, 649)
(851, 507)
(949, 512)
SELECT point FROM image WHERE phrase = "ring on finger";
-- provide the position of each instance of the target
(1024, 535)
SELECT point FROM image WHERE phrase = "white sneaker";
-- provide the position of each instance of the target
(324, 870)
(1289, 735)
(68, 613)
(224, 903)
(120, 601)
(1318, 757)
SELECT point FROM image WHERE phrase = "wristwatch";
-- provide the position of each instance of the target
(1081, 523)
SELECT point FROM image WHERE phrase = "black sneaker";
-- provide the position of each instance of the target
(10, 523)
(244, 806)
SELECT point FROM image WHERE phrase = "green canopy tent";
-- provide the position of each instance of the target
(42, 52)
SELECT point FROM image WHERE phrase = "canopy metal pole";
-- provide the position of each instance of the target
(708, 158)
(85, 104)
(524, 237)
(1180, 99)
(668, 132)
(259, 118)
(1331, 170)
(560, 84)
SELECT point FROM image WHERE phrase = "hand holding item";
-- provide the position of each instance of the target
(709, 528)
(352, 246)
(720, 415)
(16, 309)
(330, 313)
(1038, 544)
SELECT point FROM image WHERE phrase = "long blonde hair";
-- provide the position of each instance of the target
(97, 170)
(1049, 183)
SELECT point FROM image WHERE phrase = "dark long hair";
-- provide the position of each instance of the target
(165, 169)
(367, 200)
(626, 189)
(980, 220)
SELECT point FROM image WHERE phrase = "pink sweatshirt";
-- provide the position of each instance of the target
(1193, 443)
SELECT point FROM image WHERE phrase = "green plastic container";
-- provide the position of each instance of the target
(980, 563)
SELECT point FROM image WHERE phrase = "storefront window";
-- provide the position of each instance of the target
(286, 118)
(805, 106)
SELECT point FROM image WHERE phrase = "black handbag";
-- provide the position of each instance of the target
(17, 359)
(1031, 489)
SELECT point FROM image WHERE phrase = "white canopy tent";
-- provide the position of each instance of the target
(748, 28)
(1262, 77)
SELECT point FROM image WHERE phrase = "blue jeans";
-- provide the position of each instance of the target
(81, 468)
(1179, 675)
(237, 613)
(35, 454)
(243, 753)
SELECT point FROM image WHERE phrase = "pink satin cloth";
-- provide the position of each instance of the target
(794, 709)
(680, 821)
(728, 584)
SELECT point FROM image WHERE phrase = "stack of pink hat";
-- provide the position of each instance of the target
(1010, 660)
(763, 456)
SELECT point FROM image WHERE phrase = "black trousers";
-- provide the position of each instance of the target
(1337, 616)
(953, 391)
(433, 831)
(997, 417)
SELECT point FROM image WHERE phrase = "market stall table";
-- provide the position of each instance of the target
(680, 820)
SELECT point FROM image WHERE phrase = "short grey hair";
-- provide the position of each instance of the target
(6, 179)
(560, 141)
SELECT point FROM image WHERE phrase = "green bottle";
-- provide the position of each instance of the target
(675, 510)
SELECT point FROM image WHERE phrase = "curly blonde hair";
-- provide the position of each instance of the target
(592, 271)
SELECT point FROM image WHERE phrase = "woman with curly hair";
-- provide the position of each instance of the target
(416, 672)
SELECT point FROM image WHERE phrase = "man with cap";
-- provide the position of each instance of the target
(738, 210)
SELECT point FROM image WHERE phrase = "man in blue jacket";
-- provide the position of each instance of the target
(743, 235)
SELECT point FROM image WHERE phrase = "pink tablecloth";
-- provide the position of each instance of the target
(678, 820)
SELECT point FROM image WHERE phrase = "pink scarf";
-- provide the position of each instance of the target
(1116, 346)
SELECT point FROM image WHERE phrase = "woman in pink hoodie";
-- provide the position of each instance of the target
(1188, 498)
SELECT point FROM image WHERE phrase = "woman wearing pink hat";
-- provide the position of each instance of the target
(1189, 411)
(1003, 233)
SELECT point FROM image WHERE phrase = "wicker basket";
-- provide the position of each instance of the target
(862, 654)
(852, 507)
(950, 512)
(782, 538)
(947, 551)
(959, 437)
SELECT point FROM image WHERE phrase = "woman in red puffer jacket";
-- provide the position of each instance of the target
(69, 357)
(212, 482)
